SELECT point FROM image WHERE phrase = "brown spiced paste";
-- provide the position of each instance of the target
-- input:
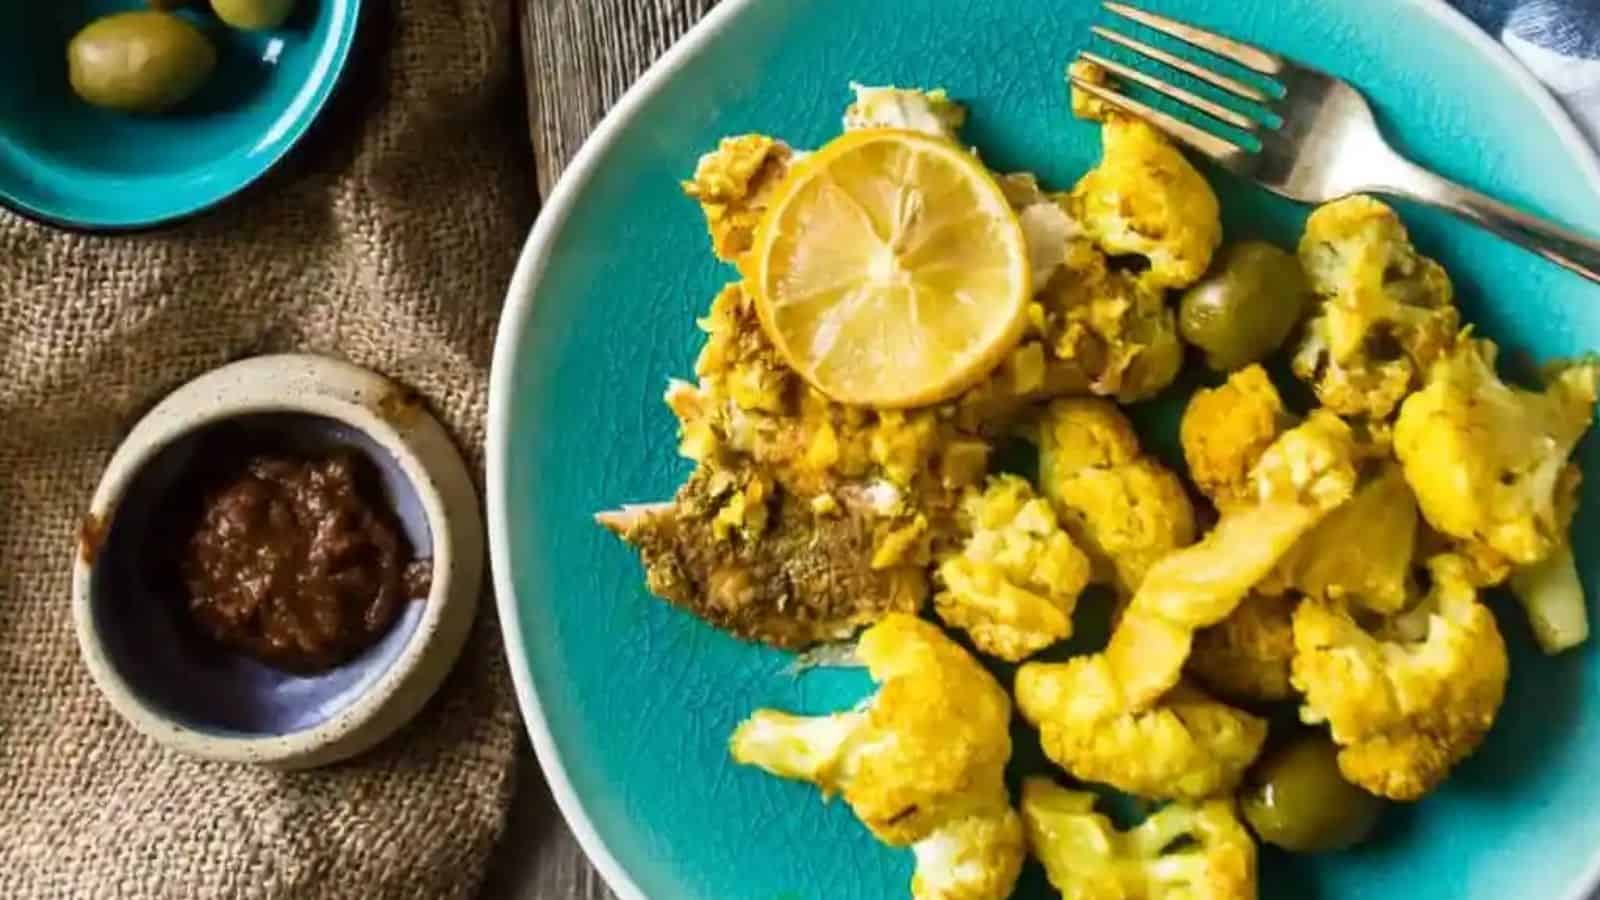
(291, 561)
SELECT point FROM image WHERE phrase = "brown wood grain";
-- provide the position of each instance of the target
(579, 57)
(583, 54)
(538, 858)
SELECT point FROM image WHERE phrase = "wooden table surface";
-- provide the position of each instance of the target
(582, 55)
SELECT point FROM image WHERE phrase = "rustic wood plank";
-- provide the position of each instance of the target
(585, 53)
(580, 55)
(538, 859)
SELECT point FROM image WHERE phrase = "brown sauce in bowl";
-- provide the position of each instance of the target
(295, 560)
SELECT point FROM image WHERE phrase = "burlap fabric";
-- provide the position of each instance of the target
(387, 239)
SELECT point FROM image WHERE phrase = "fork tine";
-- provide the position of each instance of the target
(1210, 108)
(1247, 55)
(1220, 149)
(1232, 85)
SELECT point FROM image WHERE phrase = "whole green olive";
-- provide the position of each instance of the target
(143, 61)
(253, 15)
(1296, 798)
(1245, 307)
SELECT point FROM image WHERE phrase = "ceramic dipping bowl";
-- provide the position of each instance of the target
(188, 692)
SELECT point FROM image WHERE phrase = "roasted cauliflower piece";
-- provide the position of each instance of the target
(733, 185)
(1181, 852)
(1486, 460)
(1247, 655)
(1489, 465)
(1225, 430)
(1108, 328)
(930, 112)
(1145, 199)
(975, 858)
(1549, 590)
(1384, 312)
(1306, 473)
(1126, 509)
(1185, 746)
(1084, 104)
(1407, 701)
(1015, 581)
(1362, 552)
(921, 764)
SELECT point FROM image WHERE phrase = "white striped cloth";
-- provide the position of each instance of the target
(1558, 40)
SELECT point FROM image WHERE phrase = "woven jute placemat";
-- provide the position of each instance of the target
(387, 239)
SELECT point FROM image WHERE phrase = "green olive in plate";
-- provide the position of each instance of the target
(1296, 798)
(143, 61)
(253, 15)
(1245, 307)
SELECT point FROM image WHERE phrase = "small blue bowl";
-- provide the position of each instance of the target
(72, 165)
(186, 691)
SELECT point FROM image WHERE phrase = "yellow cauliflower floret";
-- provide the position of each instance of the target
(1185, 746)
(1362, 552)
(1181, 852)
(1246, 656)
(1016, 579)
(1550, 591)
(930, 112)
(733, 185)
(1146, 199)
(1305, 474)
(1409, 701)
(1126, 509)
(1486, 459)
(1489, 464)
(1225, 430)
(1384, 313)
(1085, 105)
(975, 858)
(902, 443)
(1083, 433)
(921, 764)
(1111, 332)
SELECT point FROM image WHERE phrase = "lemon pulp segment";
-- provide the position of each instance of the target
(891, 270)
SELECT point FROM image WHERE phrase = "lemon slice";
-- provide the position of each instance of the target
(890, 270)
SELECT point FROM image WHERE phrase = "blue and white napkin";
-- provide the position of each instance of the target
(1558, 40)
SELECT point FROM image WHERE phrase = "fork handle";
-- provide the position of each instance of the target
(1572, 250)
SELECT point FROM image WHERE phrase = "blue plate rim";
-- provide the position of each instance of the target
(334, 80)
(517, 316)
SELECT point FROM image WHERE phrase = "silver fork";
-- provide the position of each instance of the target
(1327, 145)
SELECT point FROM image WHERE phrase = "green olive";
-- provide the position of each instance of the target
(143, 61)
(1296, 798)
(253, 15)
(1246, 305)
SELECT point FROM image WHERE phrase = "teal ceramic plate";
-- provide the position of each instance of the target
(630, 702)
(69, 164)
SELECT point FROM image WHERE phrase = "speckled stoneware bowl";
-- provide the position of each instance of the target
(199, 699)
